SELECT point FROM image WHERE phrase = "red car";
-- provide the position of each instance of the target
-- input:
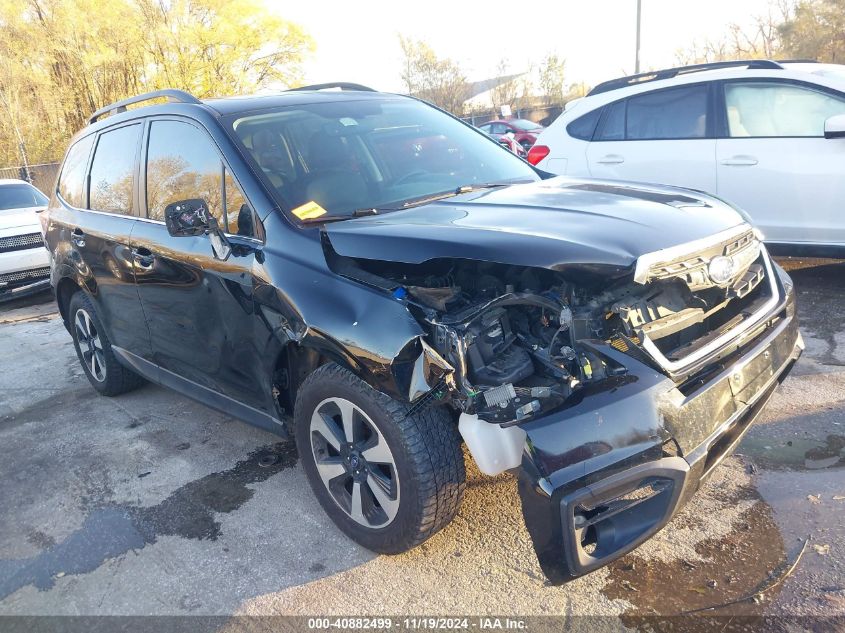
(525, 132)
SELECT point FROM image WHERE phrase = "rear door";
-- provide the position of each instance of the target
(199, 309)
(92, 218)
(775, 164)
(663, 136)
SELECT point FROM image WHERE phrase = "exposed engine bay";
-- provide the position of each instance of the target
(512, 333)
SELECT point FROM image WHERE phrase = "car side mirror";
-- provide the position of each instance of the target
(834, 127)
(191, 218)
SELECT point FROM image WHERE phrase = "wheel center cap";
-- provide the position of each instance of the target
(354, 461)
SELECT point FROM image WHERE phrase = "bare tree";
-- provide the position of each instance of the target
(762, 39)
(438, 80)
(552, 78)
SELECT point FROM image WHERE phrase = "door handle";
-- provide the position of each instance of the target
(611, 159)
(78, 238)
(143, 257)
(740, 161)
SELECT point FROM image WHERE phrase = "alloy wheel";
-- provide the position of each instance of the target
(354, 462)
(90, 345)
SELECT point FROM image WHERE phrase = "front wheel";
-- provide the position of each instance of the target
(388, 480)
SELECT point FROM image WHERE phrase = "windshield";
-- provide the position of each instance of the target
(524, 124)
(333, 159)
(20, 196)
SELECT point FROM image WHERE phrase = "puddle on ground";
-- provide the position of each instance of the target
(796, 454)
(113, 530)
(733, 567)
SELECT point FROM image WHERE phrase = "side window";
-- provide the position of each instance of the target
(71, 185)
(182, 163)
(113, 170)
(778, 109)
(668, 114)
(485, 128)
(612, 126)
(583, 127)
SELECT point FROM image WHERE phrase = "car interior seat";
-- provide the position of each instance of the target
(334, 181)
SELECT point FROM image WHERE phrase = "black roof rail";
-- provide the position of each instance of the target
(668, 73)
(178, 96)
(342, 85)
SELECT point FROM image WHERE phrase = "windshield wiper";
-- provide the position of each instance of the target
(454, 192)
(357, 213)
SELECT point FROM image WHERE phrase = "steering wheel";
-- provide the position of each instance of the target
(417, 174)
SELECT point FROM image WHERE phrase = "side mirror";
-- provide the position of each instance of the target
(834, 127)
(190, 218)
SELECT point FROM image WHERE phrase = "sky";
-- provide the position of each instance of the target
(358, 40)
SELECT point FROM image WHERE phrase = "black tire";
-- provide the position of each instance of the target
(114, 379)
(526, 145)
(425, 448)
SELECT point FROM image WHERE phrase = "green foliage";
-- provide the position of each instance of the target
(816, 30)
(62, 59)
(552, 78)
(438, 80)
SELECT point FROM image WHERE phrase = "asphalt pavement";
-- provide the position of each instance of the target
(151, 504)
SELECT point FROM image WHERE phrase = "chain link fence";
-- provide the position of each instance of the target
(544, 115)
(42, 176)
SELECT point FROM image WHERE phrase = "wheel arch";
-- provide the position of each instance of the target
(296, 360)
(65, 289)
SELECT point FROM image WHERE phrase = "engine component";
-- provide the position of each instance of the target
(493, 359)
(499, 396)
(494, 449)
(528, 409)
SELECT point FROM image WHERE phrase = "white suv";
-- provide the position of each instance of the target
(767, 136)
(24, 262)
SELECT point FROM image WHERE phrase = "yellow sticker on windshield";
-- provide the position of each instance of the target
(309, 210)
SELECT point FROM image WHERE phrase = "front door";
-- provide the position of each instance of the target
(776, 165)
(200, 310)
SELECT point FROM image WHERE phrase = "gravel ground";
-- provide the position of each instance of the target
(150, 504)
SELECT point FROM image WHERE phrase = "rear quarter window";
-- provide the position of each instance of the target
(584, 126)
(71, 186)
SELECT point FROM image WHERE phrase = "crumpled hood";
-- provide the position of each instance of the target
(549, 224)
(12, 220)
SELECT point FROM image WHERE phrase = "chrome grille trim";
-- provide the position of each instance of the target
(678, 366)
(731, 240)
(694, 271)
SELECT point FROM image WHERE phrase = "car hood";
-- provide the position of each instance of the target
(11, 219)
(553, 224)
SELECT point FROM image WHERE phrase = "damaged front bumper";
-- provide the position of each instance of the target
(607, 473)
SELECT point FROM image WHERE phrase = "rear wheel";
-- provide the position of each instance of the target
(388, 480)
(93, 348)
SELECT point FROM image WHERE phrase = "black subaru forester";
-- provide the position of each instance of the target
(378, 280)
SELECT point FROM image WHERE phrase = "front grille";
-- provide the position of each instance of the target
(23, 277)
(693, 269)
(679, 334)
(20, 242)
